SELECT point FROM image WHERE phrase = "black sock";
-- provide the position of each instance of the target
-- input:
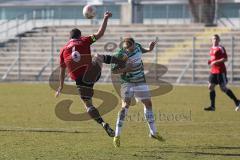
(232, 96)
(107, 59)
(93, 112)
(111, 59)
(212, 98)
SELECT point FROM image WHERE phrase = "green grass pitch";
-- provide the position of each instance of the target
(30, 130)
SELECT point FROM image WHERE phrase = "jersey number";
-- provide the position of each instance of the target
(76, 56)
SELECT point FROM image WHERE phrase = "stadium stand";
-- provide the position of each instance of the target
(174, 50)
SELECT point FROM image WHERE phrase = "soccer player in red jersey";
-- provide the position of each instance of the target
(76, 57)
(218, 73)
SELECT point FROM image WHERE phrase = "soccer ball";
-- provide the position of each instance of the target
(89, 11)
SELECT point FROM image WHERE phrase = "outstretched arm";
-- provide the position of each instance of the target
(103, 27)
(61, 79)
(151, 46)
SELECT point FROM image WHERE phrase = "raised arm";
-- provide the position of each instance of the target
(151, 46)
(103, 26)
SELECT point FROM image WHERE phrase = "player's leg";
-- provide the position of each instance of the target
(212, 94)
(126, 94)
(86, 93)
(93, 74)
(120, 119)
(121, 115)
(108, 59)
(149, 116)
(92, 111)
(142, 93)
(229, 93)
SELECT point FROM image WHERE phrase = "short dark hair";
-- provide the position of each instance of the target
(75, 33)
(217, 36)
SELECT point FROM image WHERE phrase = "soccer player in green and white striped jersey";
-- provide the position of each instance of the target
(133, 84)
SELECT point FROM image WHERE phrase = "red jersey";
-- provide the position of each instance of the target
(76, 56)
(216, 53)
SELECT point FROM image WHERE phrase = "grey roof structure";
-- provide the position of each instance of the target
(43, 2)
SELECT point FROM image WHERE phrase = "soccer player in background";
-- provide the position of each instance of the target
(76, 57)
(218, 73)
(133, 83)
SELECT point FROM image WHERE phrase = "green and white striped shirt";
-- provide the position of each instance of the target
(137, 75)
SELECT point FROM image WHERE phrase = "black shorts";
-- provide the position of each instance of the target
(85, 83)
(220, 79)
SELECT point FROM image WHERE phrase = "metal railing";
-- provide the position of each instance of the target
(15, 26)
(50, 62)
(192, 63)
(189, 69)
(16, 61)
(34, 19)
(184, 71)
(10, 68)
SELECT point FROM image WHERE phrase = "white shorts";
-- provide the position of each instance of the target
(138, 90)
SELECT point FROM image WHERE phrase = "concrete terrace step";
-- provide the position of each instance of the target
(99, 44)
(117, 33)
(36, 48)
(108, 36)
(125, 27)
(123, 34)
